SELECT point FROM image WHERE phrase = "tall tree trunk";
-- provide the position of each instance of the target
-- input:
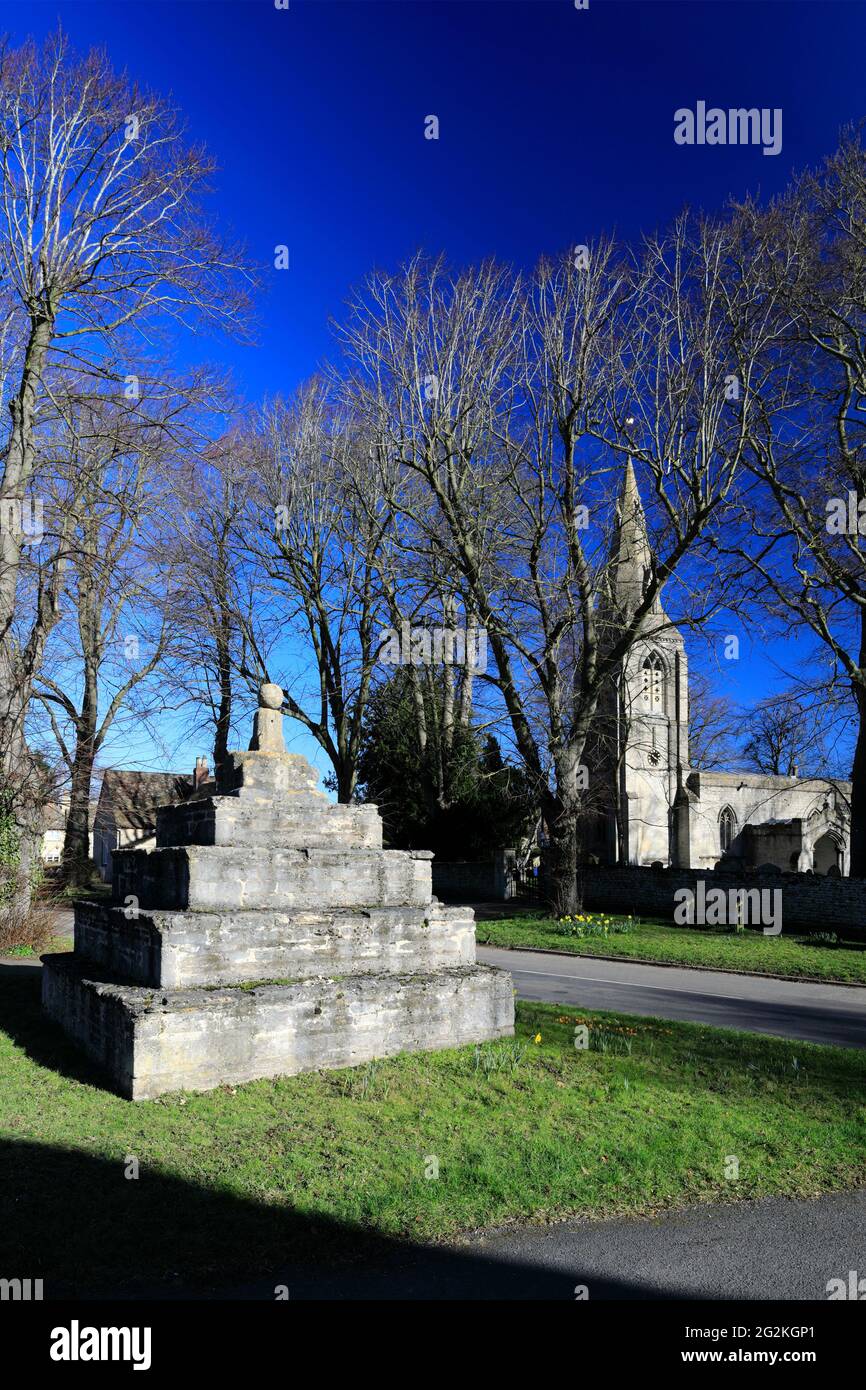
(858, 788)
(346, 775)
(467, 684)
(224, 709)
(225, 621)
(17, 770)
(76, 840)
(562, 887)
(449, 610)
(563, 814)
(420, 711)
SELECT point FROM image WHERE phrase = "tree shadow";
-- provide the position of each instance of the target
(84, 1228)
(22, 1017)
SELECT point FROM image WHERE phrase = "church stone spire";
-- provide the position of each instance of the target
(641, 725)
(630, 559)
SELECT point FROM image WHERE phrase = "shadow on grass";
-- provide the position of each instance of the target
(21, 1016)
(76, 1221)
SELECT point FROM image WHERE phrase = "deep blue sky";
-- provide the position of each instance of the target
(554, 124)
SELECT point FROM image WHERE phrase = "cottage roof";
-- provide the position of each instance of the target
(130, 798)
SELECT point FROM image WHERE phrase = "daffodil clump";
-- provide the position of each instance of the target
(585, 924)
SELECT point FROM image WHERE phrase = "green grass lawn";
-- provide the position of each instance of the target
(661, 941)
(59, 943)
(324, 1166)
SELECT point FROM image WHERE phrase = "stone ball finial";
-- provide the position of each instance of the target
(270, 696)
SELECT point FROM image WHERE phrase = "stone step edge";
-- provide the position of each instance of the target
(251, 799)
(140, 1000)
(349, 851)
(308, 917)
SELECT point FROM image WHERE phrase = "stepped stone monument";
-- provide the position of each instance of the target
(268, 933)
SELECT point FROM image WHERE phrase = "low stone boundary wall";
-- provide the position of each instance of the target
(809, 902)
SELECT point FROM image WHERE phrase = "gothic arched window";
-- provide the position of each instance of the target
(653, 684)
(727, 829)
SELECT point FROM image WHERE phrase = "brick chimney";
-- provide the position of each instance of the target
(201, 772)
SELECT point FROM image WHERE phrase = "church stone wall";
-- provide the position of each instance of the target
(638, 751)
(756, 800)
(809, 902)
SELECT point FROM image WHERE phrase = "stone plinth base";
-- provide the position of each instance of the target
(206, 878)
(268, 933)
(178, 950)
(155, 1041)
(302, 820)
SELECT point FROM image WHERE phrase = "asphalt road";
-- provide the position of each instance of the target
(776, 1248)
(788, 1009)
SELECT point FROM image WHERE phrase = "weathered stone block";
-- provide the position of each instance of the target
(303, 821)
(203, 878)
(174, 950)
(268, 774)
(152, 1042)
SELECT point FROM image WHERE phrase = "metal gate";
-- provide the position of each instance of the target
(527, 883)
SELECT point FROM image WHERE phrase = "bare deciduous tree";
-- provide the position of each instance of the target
(806, 254)
(513, 408)
(213, 599)
(713, 725)
(99, 231)
(315, 525)
(116, 626)
(783, 740)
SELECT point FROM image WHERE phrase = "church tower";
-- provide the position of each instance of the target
(640, 751)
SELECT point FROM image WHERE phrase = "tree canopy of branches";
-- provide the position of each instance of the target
(805, 256)
(509, 407)
(101, 233)
(459, 465)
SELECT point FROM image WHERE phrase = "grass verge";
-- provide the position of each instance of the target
(323, 1166)
(57, 943)
(793, 956)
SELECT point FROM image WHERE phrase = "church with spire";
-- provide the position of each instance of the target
(646, 803)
